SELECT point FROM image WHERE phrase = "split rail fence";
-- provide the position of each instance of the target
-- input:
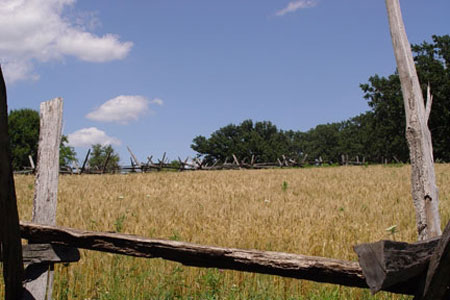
(420, 269)
(195, 164)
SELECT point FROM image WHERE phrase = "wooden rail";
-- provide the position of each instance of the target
(319, 269)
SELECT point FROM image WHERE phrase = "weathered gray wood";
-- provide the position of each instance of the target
(133, 166)
(318, 269)
(46, 253)
(46, 188)
(279, 162)
(387, 263)
(83, 167)
(10, 243)
(30, 158)
(437, 284)
(199, 163)
(161, 162)
(304, 158)
(236, 161)
(293, 162)
(289, 265)
(429, 103)
(77, 167)
(183, 164)
(134, 157)
(423, 182)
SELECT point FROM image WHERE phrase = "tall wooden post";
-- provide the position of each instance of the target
(46, 190)
(423, 181)
(10, 244)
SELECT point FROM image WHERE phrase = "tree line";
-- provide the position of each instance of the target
(376, 134)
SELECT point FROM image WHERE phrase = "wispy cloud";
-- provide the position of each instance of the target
(122, 109)
(39, 31)
(157, 101)
(87, 137)
(296, 5)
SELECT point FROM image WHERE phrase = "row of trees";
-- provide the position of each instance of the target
(261, 139)
(376, 134)
(23, 129)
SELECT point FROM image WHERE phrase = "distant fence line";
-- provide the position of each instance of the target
(196, 164)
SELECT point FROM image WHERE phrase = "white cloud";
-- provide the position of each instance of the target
(88, 47)
(296, 5)
(18, 70)
(87, 137)
(157, 101)
(121, 109)
(38, 31)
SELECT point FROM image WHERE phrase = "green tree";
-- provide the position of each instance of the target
(67, 153)
(385, 99)
(98, 157)
(262, 140)
(323, 141)
(23, 130)
(433, 66)
(388, 135)
(355, 138)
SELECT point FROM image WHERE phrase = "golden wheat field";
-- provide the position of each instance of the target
(312, 211)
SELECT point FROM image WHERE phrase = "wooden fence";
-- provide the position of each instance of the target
(196, 164)
(420, 269)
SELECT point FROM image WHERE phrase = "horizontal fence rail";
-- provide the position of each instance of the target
(319, 269)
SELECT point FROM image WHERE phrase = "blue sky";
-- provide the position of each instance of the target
(154, 74)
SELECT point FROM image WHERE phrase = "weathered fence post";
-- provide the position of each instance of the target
(236, 161)
(46, 189)
(33, 167)
(10, 244)
(85, 161)
(161, 162)
(423, 182)
(133, 158)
